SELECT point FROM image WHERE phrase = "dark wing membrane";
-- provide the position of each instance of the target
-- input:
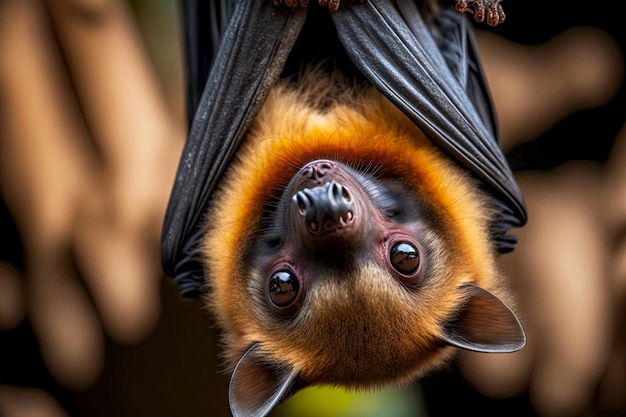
(205, 23)
(456, 42)
(251, 55)
(396, 50)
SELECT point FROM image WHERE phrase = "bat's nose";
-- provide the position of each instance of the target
(325, 208)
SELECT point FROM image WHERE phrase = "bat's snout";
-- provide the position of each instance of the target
(326, 208)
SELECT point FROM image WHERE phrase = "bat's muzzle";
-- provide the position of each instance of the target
(325, 208)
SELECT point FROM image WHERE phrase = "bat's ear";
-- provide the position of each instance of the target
(484, 324)
(256, 387)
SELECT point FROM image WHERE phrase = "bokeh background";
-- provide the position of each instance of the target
(92, 122)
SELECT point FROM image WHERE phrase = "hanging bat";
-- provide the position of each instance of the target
(341, 197)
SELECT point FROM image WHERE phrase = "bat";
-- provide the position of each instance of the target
(341, 198)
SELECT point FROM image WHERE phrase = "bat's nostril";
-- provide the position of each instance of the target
(340, 194)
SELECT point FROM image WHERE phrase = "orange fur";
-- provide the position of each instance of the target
(295, 127)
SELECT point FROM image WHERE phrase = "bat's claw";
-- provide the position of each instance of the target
(490, 10)
(292, 3)
(333, 5)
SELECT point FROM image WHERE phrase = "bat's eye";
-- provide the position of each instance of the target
(284, 289)
(405, 259)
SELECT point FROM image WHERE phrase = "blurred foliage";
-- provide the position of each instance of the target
(336, 402)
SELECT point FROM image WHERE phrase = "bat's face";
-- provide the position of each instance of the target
(345, 249)
(346, 277)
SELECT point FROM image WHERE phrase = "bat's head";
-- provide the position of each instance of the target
(346, 250)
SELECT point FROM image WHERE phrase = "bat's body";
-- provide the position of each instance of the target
(351, 237)
(346, 248)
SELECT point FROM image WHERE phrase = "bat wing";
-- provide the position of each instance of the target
(253, 47)
(205, 24)
(430, 71)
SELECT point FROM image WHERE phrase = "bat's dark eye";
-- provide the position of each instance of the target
(284, 288)
(405, 258)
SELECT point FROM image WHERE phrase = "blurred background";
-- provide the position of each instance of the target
(92, 123)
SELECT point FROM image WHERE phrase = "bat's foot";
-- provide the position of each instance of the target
(489, 10)
(292, 3)
(333, 5)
